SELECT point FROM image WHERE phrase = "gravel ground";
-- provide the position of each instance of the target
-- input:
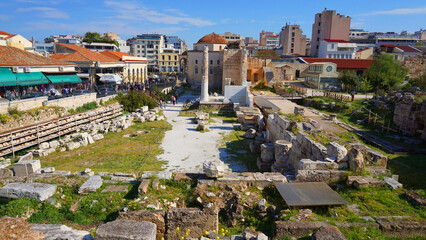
(185, 149)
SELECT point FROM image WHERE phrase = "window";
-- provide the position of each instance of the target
(317, 39)
(196, 70)
(292, 50)
(211, 71)
(196, 61)
(170, 58)
(218, 61)
(175, 58)
(292, 39)
(211, 62)
(318, 31)
(292, 45)
(139, 46)
(332, 45)
(163, 57)
(292, 34)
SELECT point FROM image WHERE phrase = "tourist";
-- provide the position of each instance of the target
(173, 100)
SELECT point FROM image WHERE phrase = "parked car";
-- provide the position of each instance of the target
(332, 88)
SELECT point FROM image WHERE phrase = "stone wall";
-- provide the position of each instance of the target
(410, 116)
(232, 65)
(196, 220)
(22, 105)
(73, 102)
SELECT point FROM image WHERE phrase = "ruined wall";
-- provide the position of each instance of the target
(410, 116)
(416, 64)
(232, 65)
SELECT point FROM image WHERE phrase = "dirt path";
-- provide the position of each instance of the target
(185, 149)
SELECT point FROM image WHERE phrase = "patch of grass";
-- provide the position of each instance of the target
(411, 169)
(115, 153)
(382, 201)
(238, 149)
(19, 207)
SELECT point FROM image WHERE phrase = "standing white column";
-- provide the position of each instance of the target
(205, 80)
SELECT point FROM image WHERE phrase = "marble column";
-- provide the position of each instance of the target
(205, 80)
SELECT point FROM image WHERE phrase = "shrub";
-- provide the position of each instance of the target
(18, 208)
(13, 111)
(4, 118)
(134, 100)
(87, 107)
(101, 102)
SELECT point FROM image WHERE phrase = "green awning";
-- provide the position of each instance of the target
(7, 78)
(32, 78)
(63, 78)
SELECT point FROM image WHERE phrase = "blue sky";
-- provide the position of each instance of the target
(193, 19)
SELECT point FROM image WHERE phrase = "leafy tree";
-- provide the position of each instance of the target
(419, 82)
(134, 100)
(267, 54)
(92, 35)
(365, 85)
(349, 79)
(386, 73)
(420, 44)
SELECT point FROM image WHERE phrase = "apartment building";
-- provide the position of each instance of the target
(292, 40)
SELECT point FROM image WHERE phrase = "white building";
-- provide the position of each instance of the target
(337, 49)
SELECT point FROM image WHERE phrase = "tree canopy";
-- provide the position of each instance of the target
(92, 35)
(349, 79)
(386, 73)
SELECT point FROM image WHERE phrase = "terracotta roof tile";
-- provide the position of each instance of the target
(115, 55)
(11, 56)
(82, 54)
(409, 49)
(343, 63)
(213, 38)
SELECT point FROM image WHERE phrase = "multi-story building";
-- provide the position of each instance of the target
(175, 43)
(169, 60)
(15, 40)
(135, 68)
(100, 46)
(43, 48)
(231, 37)
(148, 46)
(194, 60)
(292, 40)
(269, 39)
(65, 39)
(251, 45)
(329, 25)
(337, 49)
(322, 75)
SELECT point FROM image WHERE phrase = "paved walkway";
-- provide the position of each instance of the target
(185, 149)
(309, 92)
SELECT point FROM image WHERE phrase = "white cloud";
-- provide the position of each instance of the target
(4, 17)
(225, 20)
(135, 12)
(399, 11)
(176, 11)
(46, 12)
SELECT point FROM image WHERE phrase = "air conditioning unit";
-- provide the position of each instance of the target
(61, 69)
(27, 69)
(15, 69)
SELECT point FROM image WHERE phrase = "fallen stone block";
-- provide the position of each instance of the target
(54, 144)
(154, 216)
(49, 151)
(5, 173)
(126, 230)
(336, 150)
(44, 145)
(123, 179)
(28, 156)
(38, 191)
(26, 167)
(415, 198)
(72, 145)
(194, 219)
(214, 169)
(57, 232)
(91, 185)
(328, 233)
(296, 229)
(143, 187)
(392, 183)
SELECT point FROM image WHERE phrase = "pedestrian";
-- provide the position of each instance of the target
(173, 100)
